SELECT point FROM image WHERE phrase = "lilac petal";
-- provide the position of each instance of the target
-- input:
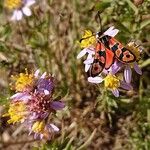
(90, 51)
(46, 92)
(82, 53)
(21, 96)
(26, 10)
(43, 75)
(57, 105)
(45, 85)
(95, 79)
(127, 74)
(87, 67)
(111, 32)
(54, 127)
(88, 61)
(125, 85)
(30, 2)
(137, 68)
(36, 74)
(115, 92)
(17, 15)
(116, 67)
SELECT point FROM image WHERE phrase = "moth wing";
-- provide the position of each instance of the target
(109, 58)
(121, 53)
(99, 60)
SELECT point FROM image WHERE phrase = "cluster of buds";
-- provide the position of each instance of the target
(112, 77)
(33, 104)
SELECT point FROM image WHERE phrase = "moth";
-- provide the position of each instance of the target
(108, 49)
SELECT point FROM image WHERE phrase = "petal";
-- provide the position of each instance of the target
(30, 2)
(17, 15)
(95, 79)
(46, 92)
(87, 67)
(88, 61)
(36, 74)
(21, 96)
(125, 85)
(127, 74)
(111, 32)
(115, 92)
(43, 75)
(91, 51)
(26, 11)
(115, 67)
(54, 127)
(82, 53)
(57, 105)
(137, 68)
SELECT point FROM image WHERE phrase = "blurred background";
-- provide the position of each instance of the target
(49, 40)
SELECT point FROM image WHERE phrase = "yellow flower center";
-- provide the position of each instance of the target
(134, 49)
(111, 81)
(87, 39)
(13, 4)
(16, 112)
(38, 126)
(23, 81)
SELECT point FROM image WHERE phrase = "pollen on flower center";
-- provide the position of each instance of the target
(38, 126)
(87, 39)
(23, 80)
(16, 112)
(13, 4)
(111, 81)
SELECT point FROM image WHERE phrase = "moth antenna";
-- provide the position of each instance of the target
(100, 21)
(86, 37)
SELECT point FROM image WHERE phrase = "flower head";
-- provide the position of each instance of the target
(23, 81)
(19, 7)
(111, 82)
(33, 103)
(16, 112)
(13, 4)
(87, 39)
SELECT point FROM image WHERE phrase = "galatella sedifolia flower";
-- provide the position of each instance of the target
(19, 7)
(33, 103)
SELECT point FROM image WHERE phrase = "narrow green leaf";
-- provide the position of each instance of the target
(145, 63)
(101, 6)
(144, 23)
(135, 9)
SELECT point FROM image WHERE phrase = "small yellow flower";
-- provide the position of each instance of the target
(23, 81)
(111, 82)
(88, 39)
(134, 49)
(16, 112)
(38, 127)
(13, 4)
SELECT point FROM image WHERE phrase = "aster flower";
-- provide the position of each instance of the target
(19, 7)
(33, 103)
(87, 39)
(111, 82)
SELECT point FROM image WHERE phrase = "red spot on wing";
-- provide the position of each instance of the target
(128, 57)
(118, 52)
(109, 58)
(113, 41)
